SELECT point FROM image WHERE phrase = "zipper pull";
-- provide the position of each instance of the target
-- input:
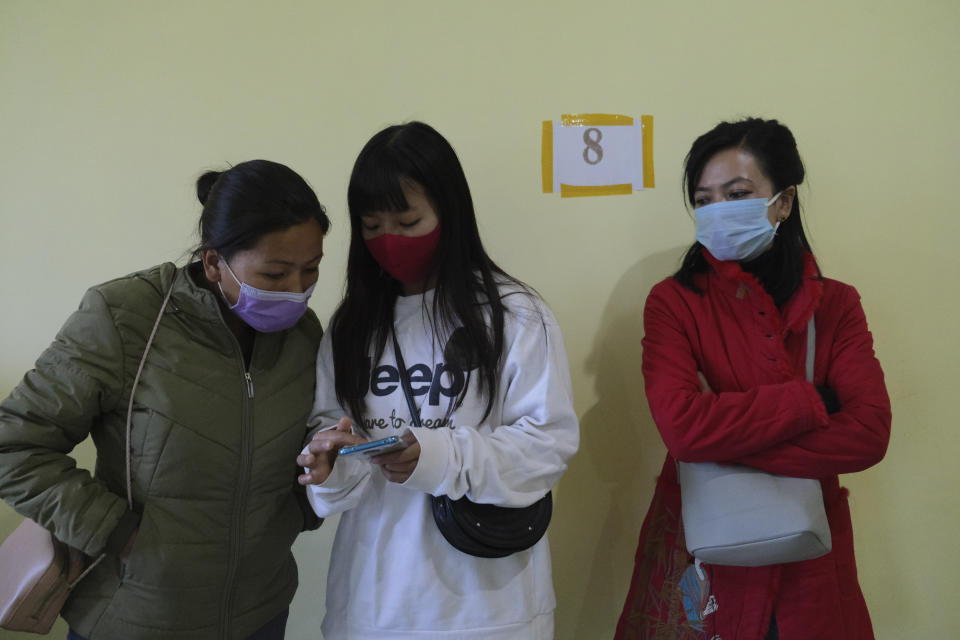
(246, 374)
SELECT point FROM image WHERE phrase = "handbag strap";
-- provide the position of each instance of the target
(405, 381)
(136, 379)
(811, 348)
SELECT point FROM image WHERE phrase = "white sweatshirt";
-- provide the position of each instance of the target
(392, 574)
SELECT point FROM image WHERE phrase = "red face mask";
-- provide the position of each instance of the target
(407, 259)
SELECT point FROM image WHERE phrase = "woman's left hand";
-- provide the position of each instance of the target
(399, 465)
(704, 385)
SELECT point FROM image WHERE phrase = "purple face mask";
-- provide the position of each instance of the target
(267, 311)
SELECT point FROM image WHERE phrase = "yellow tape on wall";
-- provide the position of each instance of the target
(595, 120)
(576, 191)
(546, 156)
(646, 124)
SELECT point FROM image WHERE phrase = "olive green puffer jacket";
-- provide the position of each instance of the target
(213, 454)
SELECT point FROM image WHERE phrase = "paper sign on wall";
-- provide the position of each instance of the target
(597, 154)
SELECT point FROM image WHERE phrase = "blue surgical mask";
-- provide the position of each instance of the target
(267, 311)
(736, 229)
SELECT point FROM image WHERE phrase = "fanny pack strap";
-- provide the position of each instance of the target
(405, 382)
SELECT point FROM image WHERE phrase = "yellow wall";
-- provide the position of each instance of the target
(109, 110)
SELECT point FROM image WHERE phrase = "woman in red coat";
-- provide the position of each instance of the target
(724, 370)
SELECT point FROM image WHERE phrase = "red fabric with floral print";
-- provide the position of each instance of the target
(760, 412)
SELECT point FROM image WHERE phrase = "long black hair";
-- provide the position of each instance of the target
(250, 200)
(772, 145)
(466, 297)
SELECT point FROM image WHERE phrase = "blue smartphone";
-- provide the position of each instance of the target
(375, 447)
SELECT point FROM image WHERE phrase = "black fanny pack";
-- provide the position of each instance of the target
(489, 531)
(482, 530)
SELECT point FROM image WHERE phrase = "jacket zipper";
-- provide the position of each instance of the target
(240, 499)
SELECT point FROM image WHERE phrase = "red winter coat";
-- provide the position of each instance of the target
(763, 413)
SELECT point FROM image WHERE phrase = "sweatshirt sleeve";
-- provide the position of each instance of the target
(350, 477)
(532, 439)
(709, 427)
(75, 380)
(856, 436)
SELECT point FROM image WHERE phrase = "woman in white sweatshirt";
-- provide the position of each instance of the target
(488, 376)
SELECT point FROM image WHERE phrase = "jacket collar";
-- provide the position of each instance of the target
(796, 312)
(188, 297)
(206, 313)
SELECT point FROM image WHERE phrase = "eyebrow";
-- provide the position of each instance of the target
(727, 184)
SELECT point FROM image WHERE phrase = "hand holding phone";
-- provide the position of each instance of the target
(376, 447)
(398, 465)
(321, 452)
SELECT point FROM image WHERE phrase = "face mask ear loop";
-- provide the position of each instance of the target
(770, 202)
(223, 295)
(237, 280)
(220, 286)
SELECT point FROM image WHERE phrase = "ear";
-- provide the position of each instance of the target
(210, 260)
(784, 204)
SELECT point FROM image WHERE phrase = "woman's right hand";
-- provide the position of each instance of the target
(322, 452)
(127, 548)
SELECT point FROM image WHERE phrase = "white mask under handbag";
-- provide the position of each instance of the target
(740, 516)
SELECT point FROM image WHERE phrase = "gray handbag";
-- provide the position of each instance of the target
(740, 516)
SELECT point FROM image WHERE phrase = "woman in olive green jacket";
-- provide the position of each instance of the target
(218, 417)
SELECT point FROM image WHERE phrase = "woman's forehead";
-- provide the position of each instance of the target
(414, 198)
(729, 166)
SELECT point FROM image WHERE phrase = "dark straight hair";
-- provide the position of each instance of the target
(466, 296)
(250, 200)
(780, 270)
